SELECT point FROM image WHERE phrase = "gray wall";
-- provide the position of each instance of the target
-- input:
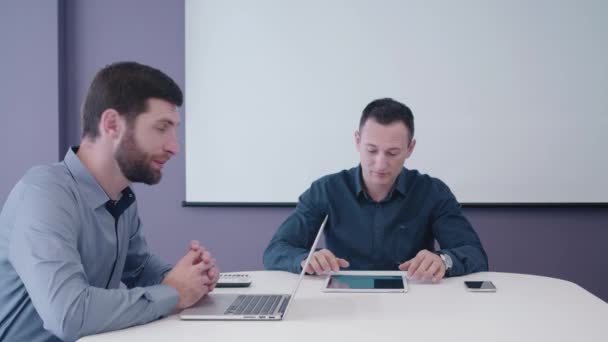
(559, 242)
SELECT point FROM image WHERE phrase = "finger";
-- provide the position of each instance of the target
(324, 262)
(204, 289)
(343, 263)
(414, 264)
(214, 274)
(315, 265)
(405, 265)
(309, 269)
(427, 272)
(188, 258)
(211, 273)
(206, 256)
(423, 267)
(430, 272)
(205, 279)
(202, 267)
(440, 274)
(199, 256)
(210, 262)
(196, 247)
(332, 261)
(194, 244)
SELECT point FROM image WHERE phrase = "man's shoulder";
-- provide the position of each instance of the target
(425, 182)
(44, 192)
(335, 183)
(50, 173)
(51, 177)
(340, 179)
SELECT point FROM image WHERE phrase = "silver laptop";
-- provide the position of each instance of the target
(234, 306)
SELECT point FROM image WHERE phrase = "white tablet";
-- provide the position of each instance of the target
(366, 281)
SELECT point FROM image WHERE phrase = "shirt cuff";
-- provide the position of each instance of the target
(297, 266)
(451, 272)
(163, 297)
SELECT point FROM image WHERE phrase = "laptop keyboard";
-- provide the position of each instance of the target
(254, 305)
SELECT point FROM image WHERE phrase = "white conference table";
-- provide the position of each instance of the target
(524, 308)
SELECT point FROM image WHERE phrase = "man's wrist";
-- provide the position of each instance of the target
(446, 259)
(299, 263)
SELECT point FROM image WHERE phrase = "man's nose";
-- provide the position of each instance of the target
(172, 146)
(381, 161)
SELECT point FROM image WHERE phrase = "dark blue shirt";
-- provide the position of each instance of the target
(377, 235)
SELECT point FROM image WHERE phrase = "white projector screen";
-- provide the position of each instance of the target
(510, 98)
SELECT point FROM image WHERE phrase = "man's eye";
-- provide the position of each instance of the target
(161, 129)
(372, 151)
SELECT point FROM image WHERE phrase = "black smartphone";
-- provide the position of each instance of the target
(480, 286)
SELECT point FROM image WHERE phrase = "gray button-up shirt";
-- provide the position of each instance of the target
(67, 267)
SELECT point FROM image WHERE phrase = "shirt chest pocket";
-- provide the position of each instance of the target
(405, 240)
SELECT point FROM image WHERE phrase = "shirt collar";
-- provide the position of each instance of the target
(95, 196)
(359, 189)
(400, 183)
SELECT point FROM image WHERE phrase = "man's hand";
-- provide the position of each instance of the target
(425, 266)
(323, 262)
(204, 256)
(190, 279)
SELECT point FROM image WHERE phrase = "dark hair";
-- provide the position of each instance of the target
(386, 111)
(125, 87)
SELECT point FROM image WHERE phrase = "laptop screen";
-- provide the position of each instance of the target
(303, 272)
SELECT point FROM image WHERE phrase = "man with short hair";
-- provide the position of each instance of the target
(73, 257)
(382, 216)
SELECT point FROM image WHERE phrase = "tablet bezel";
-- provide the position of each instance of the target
(366, 273)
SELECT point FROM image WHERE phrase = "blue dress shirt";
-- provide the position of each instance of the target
(418, 211)
(72, 262)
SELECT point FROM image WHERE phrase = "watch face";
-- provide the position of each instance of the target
(448, 260)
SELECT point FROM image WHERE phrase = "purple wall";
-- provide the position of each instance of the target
(559, 242)
(28, 88)
(152, 32)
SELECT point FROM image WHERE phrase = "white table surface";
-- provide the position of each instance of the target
(524, 308)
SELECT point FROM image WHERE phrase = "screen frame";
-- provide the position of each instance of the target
(401, 274)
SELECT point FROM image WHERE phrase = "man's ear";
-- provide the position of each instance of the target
(111, 124)
(357, 140)
(410, 148)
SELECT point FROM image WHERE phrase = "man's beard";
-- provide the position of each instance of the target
(134, 163)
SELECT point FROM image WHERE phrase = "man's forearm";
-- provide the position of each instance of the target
(467, 259)
(281, 256)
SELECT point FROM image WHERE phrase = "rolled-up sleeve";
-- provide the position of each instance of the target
(43, 250)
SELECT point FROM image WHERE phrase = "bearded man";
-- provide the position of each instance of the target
(73, 258)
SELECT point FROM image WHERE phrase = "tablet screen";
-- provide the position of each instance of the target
(365, 282)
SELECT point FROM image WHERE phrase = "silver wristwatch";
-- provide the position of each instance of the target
(447, 260)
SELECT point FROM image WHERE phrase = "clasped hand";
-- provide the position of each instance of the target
(194, 275)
